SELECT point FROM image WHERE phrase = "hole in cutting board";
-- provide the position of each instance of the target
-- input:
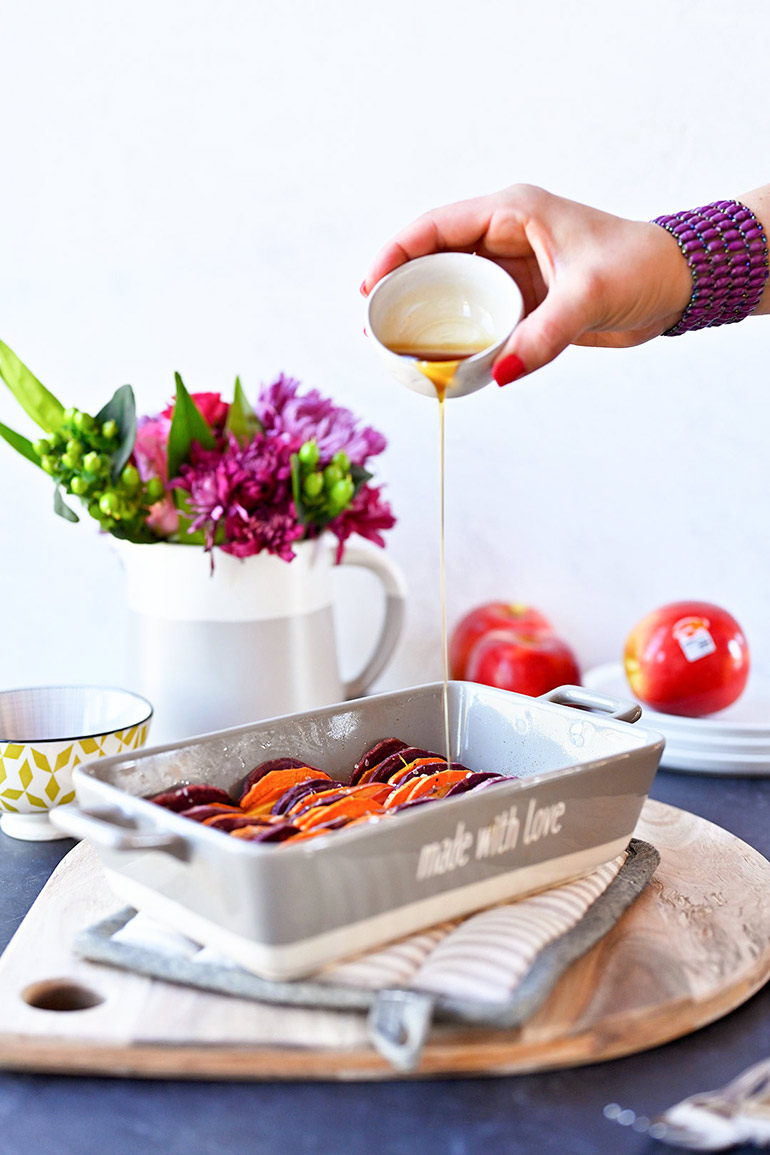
(60, 995)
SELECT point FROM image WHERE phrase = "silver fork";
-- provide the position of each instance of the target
(713, 1120)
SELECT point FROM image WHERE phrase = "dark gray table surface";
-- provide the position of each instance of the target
(559, 1111)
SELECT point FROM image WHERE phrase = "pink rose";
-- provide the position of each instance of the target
(213, 409)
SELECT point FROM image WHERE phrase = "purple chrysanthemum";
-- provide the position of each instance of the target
(311, 416)
(367, 516)
(242, 497)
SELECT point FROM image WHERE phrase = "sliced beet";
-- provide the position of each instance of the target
(474, 780)
(295, 793)
(208, 810)
(401, 759)
(415, 802)
(228, 822)
(419, 771)
(275, 832)
(329, 796)
(194, 794)
(381, 750)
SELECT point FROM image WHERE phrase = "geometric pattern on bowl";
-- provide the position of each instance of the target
(36, 776)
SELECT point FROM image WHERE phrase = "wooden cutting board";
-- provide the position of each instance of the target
(692, 948)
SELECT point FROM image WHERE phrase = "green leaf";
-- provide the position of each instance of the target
(20, 444)
(33, 397)
(184, 534)
(188, 425)
(296, 490)
(242, 421)
(60, 507)
(359, 476)
(121, 408)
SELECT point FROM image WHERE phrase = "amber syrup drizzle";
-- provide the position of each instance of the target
(440, 374)
(439, 365)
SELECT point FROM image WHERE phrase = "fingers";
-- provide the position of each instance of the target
(458, 227)
(540, 337)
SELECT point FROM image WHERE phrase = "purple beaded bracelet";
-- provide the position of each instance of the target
(726, 248)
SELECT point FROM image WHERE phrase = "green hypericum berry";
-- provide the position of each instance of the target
(92, 462)
(308, 454)
(110, 430)
(155, 490)
(83, 422)
(342, 461)
(130, 478)
(69, 415)
(42, 447)
(109, 503)
(313, 485)
(341, 493)
(79, 486)
(68, 461)
(332, 474)
(48, 463)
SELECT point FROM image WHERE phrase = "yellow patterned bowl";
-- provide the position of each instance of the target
(46, 731)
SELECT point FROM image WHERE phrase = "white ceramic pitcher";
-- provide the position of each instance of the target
(254, 639)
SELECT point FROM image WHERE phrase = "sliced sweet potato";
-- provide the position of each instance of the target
(349, 806)
(435, 785)
(270, 787)
(267, 768)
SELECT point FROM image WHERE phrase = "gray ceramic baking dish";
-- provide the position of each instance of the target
(285, 910)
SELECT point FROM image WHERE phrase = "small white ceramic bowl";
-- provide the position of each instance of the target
(45, 731)
(431, 297)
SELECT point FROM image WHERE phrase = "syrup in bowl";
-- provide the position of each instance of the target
(448, 309)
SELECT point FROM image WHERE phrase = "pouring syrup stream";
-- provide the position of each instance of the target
(440, 374)
(439, 365)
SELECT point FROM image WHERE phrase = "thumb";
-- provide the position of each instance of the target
(541, 336)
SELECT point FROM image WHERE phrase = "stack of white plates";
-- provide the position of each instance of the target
(733, 741)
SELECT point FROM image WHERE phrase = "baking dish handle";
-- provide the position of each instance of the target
(584, 699)
(108, 829)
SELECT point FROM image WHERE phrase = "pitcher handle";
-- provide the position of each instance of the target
(394, 584)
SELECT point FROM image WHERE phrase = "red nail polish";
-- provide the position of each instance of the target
(508, 369)
(362, 289)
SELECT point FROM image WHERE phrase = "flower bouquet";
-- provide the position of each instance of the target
(205, 471)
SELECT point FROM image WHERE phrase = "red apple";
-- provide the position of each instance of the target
(482, 619)
(527, 663)
(687, 658)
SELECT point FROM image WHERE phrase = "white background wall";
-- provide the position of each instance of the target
(200, 186)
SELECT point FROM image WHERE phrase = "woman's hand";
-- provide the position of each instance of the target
(587, 277)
